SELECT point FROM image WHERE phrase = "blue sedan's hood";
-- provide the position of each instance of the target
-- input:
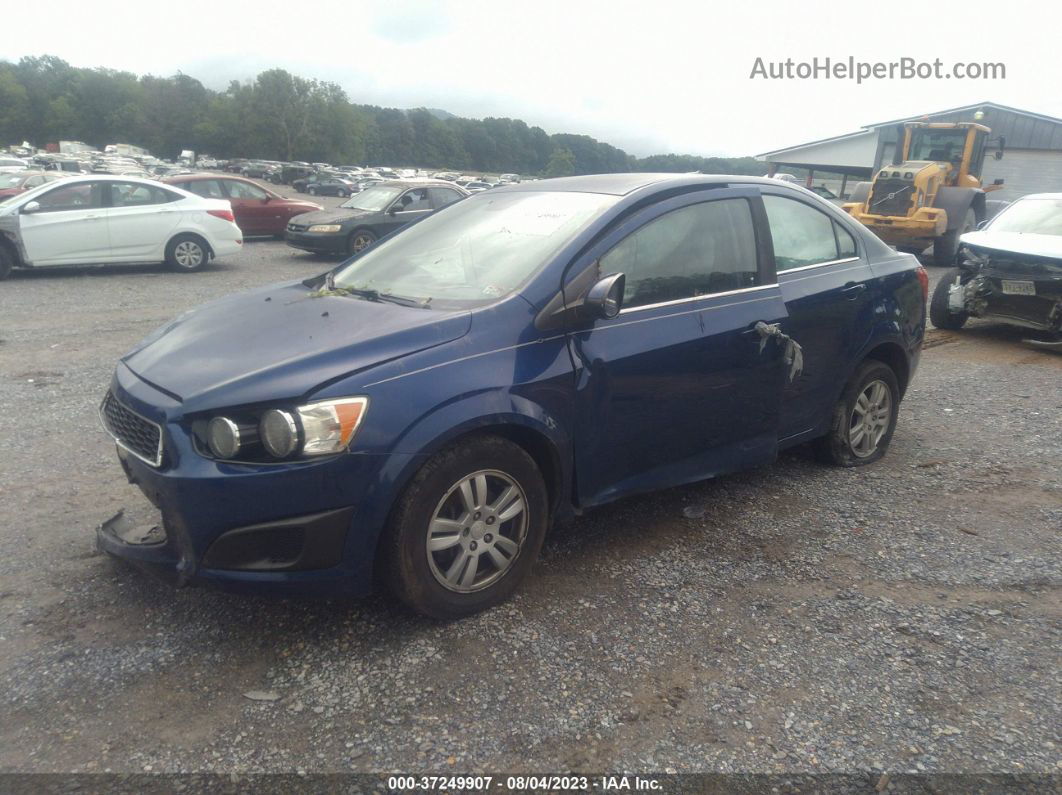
(278, 343)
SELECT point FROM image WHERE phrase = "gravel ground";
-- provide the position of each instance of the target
(903, 617)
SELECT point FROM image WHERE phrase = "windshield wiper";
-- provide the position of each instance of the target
(369, 294)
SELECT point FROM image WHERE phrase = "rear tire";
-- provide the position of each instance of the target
(863, 419)
(939, 312)
(187, 253)
(468, 569)
(946, 246)
(312, 191)
(6, 263)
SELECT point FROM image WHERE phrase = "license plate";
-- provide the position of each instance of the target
(1018, 288)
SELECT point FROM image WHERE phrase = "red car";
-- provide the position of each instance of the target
(258, 210)
(15, 182)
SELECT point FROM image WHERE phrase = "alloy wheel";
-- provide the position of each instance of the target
(188, 254)
(359, 242)
(477, 531)
(870, 418)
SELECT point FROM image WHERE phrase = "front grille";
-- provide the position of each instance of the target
(297, 227)
(902, 193)
(141, 437)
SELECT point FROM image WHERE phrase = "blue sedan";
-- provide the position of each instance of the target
(423, 413)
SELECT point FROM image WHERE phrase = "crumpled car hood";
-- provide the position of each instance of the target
(278, 343)
(1017, 242)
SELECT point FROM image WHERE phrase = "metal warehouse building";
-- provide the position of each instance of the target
(1032, 162)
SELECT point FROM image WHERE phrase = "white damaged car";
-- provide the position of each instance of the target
(101, 219)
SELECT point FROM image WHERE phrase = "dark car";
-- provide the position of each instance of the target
(18, 182)
(1010, 270)
(367, 216)
(258, 211)
(332, 186)
(425, 411)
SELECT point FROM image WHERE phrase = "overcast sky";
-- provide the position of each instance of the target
(648, 77)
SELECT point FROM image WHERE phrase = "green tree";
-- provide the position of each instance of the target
(561, 163)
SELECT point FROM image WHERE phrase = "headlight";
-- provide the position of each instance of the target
(325, 228)
(324, 427)
(328, 426)
(223, 437)
(280, 436)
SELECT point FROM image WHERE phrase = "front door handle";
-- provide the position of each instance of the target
(853, 291)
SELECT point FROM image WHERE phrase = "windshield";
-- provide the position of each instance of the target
(942, 146)
(477, 250)
(1032, 216)
(373, 199)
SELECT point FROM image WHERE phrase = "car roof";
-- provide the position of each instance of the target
(413, 183)
(623, 184)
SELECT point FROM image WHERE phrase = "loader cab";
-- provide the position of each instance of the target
(961, 147)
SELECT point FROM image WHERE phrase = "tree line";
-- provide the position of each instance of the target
(281, 116)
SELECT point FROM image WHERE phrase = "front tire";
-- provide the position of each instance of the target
(359, 240)
(6, 263)
(187, 253)
(946, 246)
(939, 311)
(863, 419)
(467, 529)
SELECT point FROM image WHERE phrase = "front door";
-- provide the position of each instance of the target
(410, 206)
(250, 205)
(677, 386)
(70, 228)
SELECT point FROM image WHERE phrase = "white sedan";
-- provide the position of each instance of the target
(102, 219)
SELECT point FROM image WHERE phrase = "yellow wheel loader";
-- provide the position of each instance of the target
(932, 194)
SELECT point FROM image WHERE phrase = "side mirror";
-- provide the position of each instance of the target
(605, 298)
(30, 207)
(394, 209)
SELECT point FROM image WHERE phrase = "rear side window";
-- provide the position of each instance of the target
(697, 250)
(441, 197)
(135, 194)
(803, 235)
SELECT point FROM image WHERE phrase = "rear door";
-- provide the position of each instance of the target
(410, 206)
(676, 387)
(440, 197)
(141, 219)
(70, 227)
(826, 283)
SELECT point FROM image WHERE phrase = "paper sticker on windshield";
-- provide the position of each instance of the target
(539, 216)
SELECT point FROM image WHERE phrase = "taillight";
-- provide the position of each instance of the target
(224, 215)
(923, 279)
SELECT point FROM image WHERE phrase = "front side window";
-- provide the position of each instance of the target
(414, 200)
(244, 190)
(476, 251)
(82, 196)
(803, 235)
(697, 250)
(207, 188)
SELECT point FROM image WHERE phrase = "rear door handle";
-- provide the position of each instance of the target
(853, 291)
